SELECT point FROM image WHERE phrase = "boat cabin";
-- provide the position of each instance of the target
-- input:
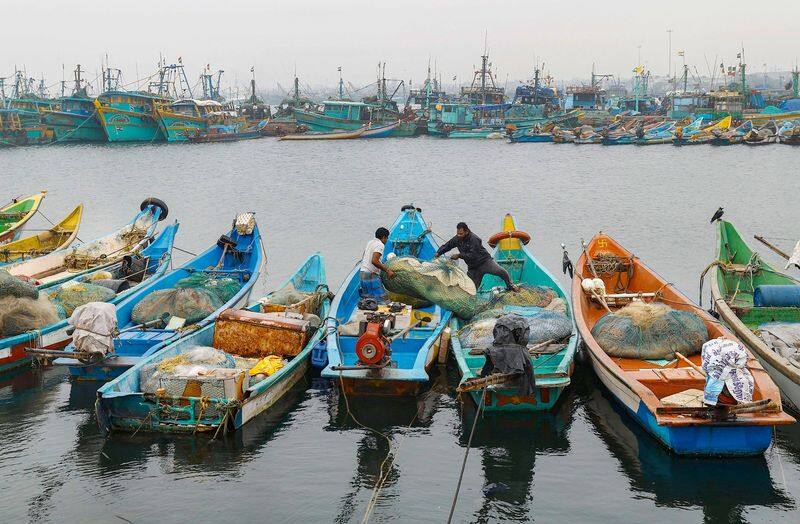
(78, 106)
(584, 97)
(688, 104)
(195, 108)
(135, 101)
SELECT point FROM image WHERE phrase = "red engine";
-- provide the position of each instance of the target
(373, 348)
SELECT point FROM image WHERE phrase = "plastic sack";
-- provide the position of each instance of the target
(285, 296)
(783, 338)
(267, 366)
(650, 331)
(20, 315)
(439, 281)
(72, 295)
(192, 304)
(95, 327)
(11, 286)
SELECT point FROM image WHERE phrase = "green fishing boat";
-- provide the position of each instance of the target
(552, 360)
(76, 120)
(16, 213)
(762, 306)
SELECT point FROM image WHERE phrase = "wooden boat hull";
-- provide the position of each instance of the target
(121, 407)
(413, 354)
(541, 137)
(74, 127)
(54, 336)
(551, 372)
(639, 385)
(785, 375)
(15, 215)
(338, 135)
(59, 236)
(380, 131)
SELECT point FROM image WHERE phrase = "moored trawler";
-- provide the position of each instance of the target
(130, 116)
(184, 118)
(21, 122)
(76, 119)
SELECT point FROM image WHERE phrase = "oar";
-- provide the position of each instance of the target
(775, 249)
(692, 364)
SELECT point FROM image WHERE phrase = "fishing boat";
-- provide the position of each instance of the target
(335, 135)
(642, 386)
(76, 119)
(21, 115)
(188, 117)
(552, 363)
(60, 236)
(403, 365)
(130, 116)
(789, 134)
(736, 276)
(66, 264)
(123, 405)
(225, 133)
(15, 214)
(732, 136)
(704, 135)
(237, 255)
(379, 131)
(764, 135)
(346, 115)
(151, 262)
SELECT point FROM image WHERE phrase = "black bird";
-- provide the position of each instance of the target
(717, 215)
(566, 263)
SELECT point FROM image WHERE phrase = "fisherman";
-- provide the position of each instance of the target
(479, 261)
(371, 266)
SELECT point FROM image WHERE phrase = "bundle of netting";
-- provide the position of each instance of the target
(438, 281)
(11, 286)
(288, 295)
(72, 295)
(191, 304)
(544, 325)
(224, 287)
(528, 296)
(22, 314)
(650, 331)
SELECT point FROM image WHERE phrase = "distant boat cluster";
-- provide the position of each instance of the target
(537, 112)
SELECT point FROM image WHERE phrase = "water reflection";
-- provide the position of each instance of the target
(723, 488)
(509, 444)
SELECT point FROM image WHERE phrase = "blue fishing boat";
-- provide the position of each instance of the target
(124, 405)
(379, 131)
(552, 363)
(236, 256)
(403, 369)
(130, 116)
(153, 261)
(183, 119)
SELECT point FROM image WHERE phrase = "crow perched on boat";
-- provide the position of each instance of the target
(717, 215)
(566, 263)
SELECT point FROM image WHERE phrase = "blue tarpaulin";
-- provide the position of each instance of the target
(793, 104)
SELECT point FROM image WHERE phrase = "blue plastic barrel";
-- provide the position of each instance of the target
(319, 355)
(777, 296)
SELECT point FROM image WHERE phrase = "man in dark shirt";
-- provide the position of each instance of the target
(479, 261)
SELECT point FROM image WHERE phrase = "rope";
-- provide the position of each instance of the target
(176, 248)
(466, 454)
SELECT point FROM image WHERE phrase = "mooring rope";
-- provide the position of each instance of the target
(466, 455)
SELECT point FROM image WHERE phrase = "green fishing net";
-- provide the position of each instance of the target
(545, 325)
(11, 286)
(20, 315)
(224, 287)
(528, 295)
(192, 304)
(439, 281)
(285, 296)
(650, 331)
(71, 295)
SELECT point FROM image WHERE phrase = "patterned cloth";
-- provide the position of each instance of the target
(725, 363)
(371, 285)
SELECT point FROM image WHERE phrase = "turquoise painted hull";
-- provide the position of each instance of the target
(73, 127)
(179, 129)
(121, 127)
(319, 123)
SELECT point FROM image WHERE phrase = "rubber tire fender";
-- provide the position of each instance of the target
(155, 202)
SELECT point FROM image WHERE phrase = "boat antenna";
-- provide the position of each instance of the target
(341, 83)
(63, 82)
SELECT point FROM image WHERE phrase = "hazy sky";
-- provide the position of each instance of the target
(317, 36)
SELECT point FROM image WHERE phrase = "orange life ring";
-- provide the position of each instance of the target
(522, 236)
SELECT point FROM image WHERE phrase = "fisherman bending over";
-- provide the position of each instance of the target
(371, 266)
(479, 261)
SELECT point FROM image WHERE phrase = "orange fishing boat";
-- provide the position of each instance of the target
(656, 392)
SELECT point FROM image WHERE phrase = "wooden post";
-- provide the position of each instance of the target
(444, 345)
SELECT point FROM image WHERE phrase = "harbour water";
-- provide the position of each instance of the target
(308, 460)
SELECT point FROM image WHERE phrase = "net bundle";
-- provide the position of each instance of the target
(71, 295)
(438, 281)
(651, 331)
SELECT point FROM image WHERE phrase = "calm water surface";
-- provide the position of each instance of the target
(307, 460)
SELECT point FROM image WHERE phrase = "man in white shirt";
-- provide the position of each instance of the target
(371, 266)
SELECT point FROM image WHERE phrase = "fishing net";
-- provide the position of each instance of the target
(202, 363)
(224, 287)
(99, 275)
(544, 325)
(11, 286)
(192, 304)
(439, 281)
(286, 296)
(416, 303)
(650, 331)
(71, 295)
(20, 315)
(528, 296)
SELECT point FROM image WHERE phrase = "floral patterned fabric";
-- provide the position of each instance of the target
(725, 363)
